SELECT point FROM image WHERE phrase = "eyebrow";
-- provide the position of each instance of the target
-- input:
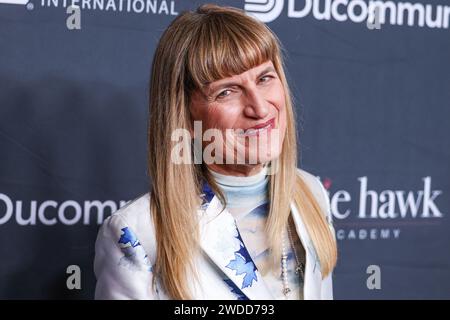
(232, 83)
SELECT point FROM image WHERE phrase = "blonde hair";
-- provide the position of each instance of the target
(197, 48)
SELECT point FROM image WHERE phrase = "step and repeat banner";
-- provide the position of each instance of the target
(371, 81)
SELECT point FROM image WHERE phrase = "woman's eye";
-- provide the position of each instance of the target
(268, 78)
(222, 95)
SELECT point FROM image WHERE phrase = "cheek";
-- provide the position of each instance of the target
(275, 95)
(221, 117)
(283, 123)
(279, 102)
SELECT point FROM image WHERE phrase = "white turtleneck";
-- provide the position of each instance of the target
(248, 201)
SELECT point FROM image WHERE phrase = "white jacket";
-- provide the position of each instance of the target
(125, 251)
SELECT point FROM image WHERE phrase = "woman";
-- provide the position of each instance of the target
(255, 228)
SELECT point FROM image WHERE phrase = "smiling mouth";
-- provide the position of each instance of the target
(260, 128)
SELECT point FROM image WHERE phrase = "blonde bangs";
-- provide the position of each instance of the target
(225, 46)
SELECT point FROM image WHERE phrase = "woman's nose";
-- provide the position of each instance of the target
(255, 105)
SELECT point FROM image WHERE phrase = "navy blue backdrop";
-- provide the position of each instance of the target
(373, 108)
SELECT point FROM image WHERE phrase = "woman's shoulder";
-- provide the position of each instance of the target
(311, 180)
(317, 189)
(131, 221)
(135, 212)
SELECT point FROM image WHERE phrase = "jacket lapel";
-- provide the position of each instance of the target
(313, 275)
(221, 241)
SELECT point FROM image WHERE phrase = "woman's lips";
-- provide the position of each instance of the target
(260, 128)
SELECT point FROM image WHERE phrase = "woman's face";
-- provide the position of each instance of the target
(248, 110)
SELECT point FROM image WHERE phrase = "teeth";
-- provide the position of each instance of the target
(251, 132)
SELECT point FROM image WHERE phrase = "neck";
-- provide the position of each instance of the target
(243, 191)
(238, 170)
